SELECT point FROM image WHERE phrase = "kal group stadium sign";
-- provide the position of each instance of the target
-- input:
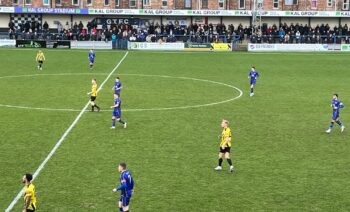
(50, 10)
(201, 13)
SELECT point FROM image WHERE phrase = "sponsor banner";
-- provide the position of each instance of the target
(289, 47)
(117, 21)
(50, 10)
(332, 47)
(61, 44)
(7, 9)
(305, 13)
(155, 46)
(182, 21)
(198, 46)
(114, 12)
(221, 46)
(205, 13)
(90, 45)
(30, 44)
(162, 12)
(7, 43)
(345, 48)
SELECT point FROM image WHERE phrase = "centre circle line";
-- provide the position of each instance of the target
(131, 109)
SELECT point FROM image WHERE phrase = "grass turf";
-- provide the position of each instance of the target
(284, 160)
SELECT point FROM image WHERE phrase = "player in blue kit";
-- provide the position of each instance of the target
(336, 106)
(126, 188)
(253, 76)
(92, 56)
(116, 114)
(117, 86)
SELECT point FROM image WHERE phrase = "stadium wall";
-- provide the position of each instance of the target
(236, 20)
(4, 20)
(51, 19)
(245, 21)
(330, 21)
(295, 20)
(345, 21)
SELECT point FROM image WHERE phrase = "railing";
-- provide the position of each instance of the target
(139, 38)
(121, 42)
(305, 39)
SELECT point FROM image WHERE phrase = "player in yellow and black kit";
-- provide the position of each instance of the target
(40, 58)
(29, 194)
(93, 96)
(225, 146)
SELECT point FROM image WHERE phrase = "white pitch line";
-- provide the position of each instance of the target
(194, 52)
(136, 109)
(60, 141)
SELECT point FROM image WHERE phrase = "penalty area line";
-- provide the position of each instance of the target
(60, 141)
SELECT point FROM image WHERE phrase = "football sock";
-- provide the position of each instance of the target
(113, 122)
(220, 161)
(339, 123)
(331, 125)
(92, 107)
(252, 90)
(97, 107)
(229, 161)
(121, 121)
(121, 209)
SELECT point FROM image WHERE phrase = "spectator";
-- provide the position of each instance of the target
(46, 26)
(80, 26)
(114, 41)
(11, 25)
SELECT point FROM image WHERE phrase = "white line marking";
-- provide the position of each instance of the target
(134, 109)
(58, 144)
(61, 74)
(192, 52)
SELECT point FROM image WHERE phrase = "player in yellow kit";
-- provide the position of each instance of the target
(93, 96)
(40, 58)
(225, 146)
(29, 194)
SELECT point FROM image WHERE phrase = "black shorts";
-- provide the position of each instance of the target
(92, 98)
(40, 62)
(227, 149)
(31, 210)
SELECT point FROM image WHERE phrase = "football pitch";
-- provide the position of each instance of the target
(174, 103)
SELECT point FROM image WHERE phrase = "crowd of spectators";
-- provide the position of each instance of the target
(299, 33)
(293, 33)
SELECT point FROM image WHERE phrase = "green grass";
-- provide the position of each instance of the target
(284, 160)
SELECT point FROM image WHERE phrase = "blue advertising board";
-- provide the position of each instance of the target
(51, 10)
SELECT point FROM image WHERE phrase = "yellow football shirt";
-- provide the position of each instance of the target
(226, 133)
(30, 192)
(94, 90)
(40, 56)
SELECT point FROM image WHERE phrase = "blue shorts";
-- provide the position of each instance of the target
(335, 115)
(117, 92)
(252, 82)
(117, 113)
(125, 199)
(92, 61)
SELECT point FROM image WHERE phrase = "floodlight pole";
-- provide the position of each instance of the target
(256, 14)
